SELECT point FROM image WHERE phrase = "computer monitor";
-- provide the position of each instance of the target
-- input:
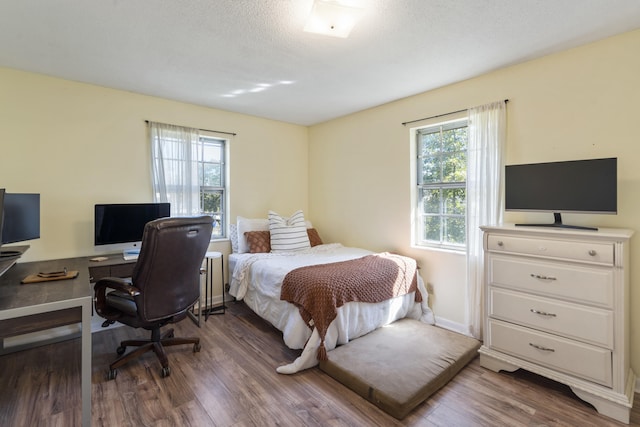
(21, 222)
(120, 226)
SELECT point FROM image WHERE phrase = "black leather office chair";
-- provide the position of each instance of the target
(164, 285)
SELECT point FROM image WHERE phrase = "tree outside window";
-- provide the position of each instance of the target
(211, 177)
(441, 180)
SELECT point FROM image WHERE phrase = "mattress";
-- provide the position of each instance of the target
(257, 279)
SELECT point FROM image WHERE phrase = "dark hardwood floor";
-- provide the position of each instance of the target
(233, 382)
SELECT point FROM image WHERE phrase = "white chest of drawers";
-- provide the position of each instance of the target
(557, 304)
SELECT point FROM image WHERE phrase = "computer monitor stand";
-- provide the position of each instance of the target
(130, 254)
(9, 256)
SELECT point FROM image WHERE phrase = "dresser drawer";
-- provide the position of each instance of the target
(597, 253)
(582, 284)
(583, 360)
(587, 324)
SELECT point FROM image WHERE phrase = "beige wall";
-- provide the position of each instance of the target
(78, 144)
(581, 103)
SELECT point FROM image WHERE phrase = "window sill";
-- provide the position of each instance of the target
(219, 239)
(447, 250)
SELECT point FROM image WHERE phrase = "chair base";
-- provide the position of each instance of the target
(156, 343)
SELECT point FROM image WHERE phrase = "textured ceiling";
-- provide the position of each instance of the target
(252, 57)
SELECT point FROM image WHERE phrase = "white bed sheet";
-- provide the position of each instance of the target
(257, 279)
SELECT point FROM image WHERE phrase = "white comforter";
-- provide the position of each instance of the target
(257, 279)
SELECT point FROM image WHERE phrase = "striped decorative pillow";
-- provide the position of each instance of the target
(288, 234)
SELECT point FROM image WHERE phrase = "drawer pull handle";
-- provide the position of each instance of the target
(592, 252)
(542, 313)
(542, 277)
(500, 243)
(539, 347)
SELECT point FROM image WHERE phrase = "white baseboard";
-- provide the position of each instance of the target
(452, 326)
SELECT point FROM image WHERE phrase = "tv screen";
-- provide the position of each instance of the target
(578, 186)
(21, 217)
(124, 223)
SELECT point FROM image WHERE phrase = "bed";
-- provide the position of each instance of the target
(257, 278)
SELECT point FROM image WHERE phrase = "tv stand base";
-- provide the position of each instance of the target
(558, 224)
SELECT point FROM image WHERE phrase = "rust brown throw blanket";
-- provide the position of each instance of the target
(318, 290)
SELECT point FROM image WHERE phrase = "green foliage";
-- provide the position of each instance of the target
(442, 176)
(211, 175)
(443, 228)
(211, 202)
(444, 156)
(210, 172)
(455, 201)
(211, 179)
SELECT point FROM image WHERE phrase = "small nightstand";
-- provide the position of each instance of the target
(208, 290)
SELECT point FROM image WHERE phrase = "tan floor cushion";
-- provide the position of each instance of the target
(399, 366)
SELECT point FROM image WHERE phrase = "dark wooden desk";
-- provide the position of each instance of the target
(114, 266)
(38, 306)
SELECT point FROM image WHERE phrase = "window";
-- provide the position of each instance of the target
(441, 185)
(189, 169)
(211, 179)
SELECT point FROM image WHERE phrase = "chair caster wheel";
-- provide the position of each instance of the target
(120, 350)
(112, 374)
(197, 348)
(165, 372)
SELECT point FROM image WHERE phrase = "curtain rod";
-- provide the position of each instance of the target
(209, 130)
(440, 115)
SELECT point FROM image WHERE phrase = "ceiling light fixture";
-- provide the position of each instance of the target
(333, 17)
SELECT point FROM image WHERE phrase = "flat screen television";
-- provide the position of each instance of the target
(21, 217)
(120, 226)
(577, 186)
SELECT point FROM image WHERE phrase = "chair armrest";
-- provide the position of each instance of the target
(116, 283)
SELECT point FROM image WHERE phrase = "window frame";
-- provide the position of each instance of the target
(418, 238)
(209, 138)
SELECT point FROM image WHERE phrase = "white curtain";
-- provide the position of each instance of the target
(175, 153)
(487, 134)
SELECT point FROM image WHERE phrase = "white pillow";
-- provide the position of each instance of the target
(233, 236)
(288, 234)
(247, 224)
